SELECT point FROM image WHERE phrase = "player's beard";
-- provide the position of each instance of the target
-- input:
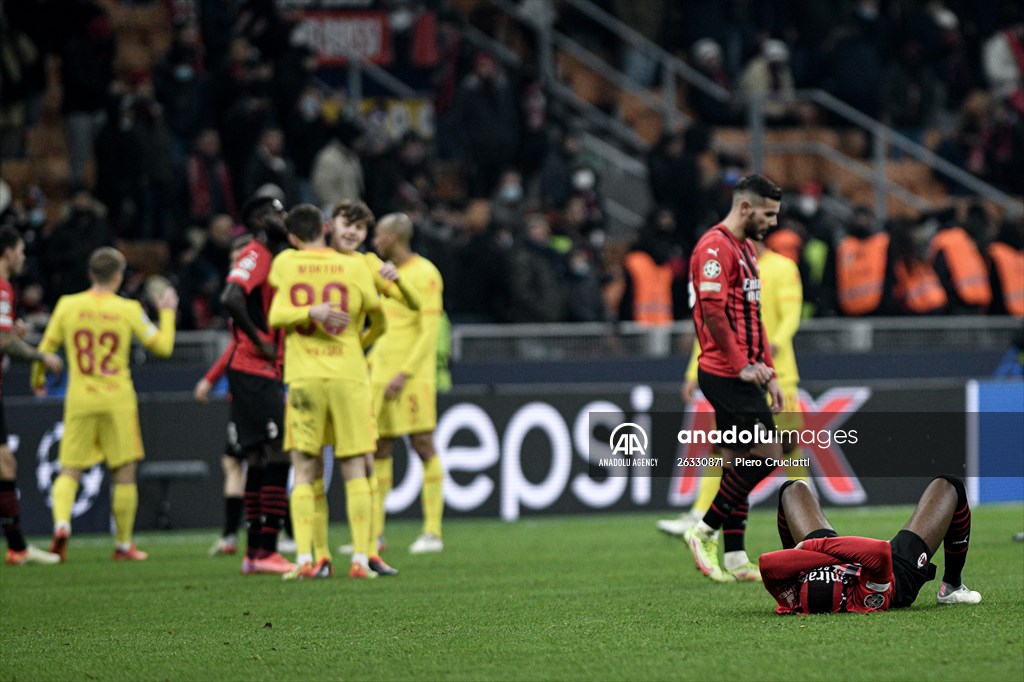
(753, 230)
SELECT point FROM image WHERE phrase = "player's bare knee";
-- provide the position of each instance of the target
(124, 474)
(423, 444)
(952, 485)
(793, 488)
(8, 465)
(385, 446)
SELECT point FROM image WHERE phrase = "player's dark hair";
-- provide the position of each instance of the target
(758, 185)
(306, 222)
(9, 238)
(254, 209)
(354, 212)
(105, 263)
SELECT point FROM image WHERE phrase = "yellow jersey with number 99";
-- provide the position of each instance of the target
(309, 277)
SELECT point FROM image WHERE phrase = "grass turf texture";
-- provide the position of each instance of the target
(588, 597)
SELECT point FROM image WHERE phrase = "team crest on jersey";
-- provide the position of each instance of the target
(922, 560)
(247, 263)
(712, 269)
(874, 601)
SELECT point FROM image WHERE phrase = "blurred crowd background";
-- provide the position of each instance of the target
(148, 124)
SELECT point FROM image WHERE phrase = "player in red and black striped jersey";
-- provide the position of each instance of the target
(735, 368)
(826, 573)
(12, 260)
(254, 379)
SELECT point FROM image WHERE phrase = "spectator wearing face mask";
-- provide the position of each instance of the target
(591, 204)
(487, 124)
(179, 84)
(306, 134)
(269, 165)
(508, 205)
(208, 180)
(66, 249)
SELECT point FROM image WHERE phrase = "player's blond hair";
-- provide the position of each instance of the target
(106, 263)
(398, 224)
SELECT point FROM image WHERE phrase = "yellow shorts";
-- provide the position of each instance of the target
(414, 411)
(345, 406)
(792, 416)
(93, 437)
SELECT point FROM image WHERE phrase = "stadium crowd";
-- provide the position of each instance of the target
(235, 107)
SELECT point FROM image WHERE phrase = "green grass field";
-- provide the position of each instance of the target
(590, 597)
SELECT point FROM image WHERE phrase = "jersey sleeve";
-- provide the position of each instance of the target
(789, 296)
(53, 337)
(7, 305)
(158, 339)
(874, 555)
(428, 284)
(220, 365)
(780, 570)
(692, 365)
(251, 269)
(714, 266)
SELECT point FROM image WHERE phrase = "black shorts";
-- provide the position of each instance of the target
(737, 403)
(257, 408)
(910, 567)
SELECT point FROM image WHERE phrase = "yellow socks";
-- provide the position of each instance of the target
(64, 490)
(709, 482)
(125, 504)
(433, 496)
(303, 509)
(385, 473)
(321, 544)
(359, 507)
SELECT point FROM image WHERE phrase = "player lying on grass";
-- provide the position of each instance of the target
(827, 573)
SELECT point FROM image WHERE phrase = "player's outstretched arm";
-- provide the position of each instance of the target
(53, 337)
(161, 343)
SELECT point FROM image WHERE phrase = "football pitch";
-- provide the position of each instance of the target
(598, 597)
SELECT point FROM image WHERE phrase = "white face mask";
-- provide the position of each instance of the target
(807, 204)
(583, 179)
(510, 194)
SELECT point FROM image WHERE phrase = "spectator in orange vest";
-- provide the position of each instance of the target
(1006, 254)
(955, 253)
(654, 267)
(918, 290)
(859, 276)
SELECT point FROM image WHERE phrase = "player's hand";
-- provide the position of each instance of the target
(202, 391)
(389, 271)
(53, 364)
(39, 391)
(20, 328)
(395, 386)
(689, 388)
(758, 373)
(268, 350)
(778, 400)
(329, 315)
(799, 545)
(168, 299)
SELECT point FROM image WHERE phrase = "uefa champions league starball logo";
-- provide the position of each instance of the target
(48, 467)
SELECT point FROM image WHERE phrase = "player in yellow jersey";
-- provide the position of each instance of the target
(101, 413)
(781, 305)
(351, 221)
(403, 369)
(322, 300)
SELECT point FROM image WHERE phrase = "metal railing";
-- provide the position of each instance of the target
(625, 340)
(600, 340)
(672, 68)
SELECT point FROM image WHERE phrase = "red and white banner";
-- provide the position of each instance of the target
(334, 36)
